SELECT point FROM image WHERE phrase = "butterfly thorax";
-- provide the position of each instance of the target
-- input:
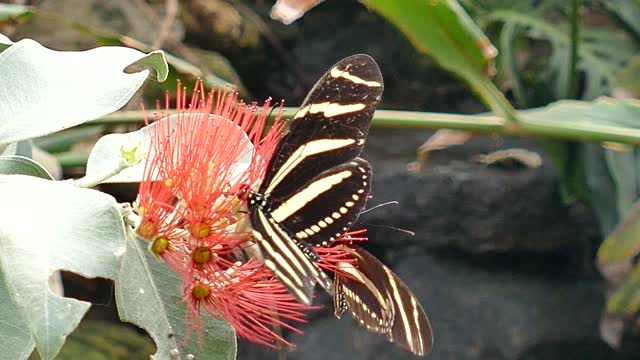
(258, 200)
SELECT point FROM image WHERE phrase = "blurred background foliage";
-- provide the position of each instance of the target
(518, 57)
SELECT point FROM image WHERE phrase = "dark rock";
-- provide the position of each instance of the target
(456, 204)
(475, 313)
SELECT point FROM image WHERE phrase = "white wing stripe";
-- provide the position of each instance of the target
(337, 73)
(304, 151)
(398, 300)
(279, 259)
(304, 196)
(329, 109)
(292, 253)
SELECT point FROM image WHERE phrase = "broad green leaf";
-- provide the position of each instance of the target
(601, 53)
(604, 119)
(46, 226)
(622, 244)
(627, 10)
(148, 294)
(108, 163)
(621, 161)
(20, 165)
(626, 298)
(44, 91)
(602, 186)
(444, 31)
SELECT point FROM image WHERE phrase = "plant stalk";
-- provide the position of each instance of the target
(575, 19)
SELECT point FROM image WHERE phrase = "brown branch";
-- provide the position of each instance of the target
(171, 7)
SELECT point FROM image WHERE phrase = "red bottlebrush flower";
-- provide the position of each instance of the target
(248, 297)
(202, 160)
(334, 256)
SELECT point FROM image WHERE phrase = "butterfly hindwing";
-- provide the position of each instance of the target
(382, 303)
(343, 190)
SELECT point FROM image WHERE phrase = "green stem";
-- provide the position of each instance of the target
(483, 123)
(572, 81)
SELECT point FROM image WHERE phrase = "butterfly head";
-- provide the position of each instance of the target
(244, 192)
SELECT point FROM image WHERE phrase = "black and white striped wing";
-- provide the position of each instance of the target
(292, 262)
(326, 207)
(330, 127)
(314, 185)
(382, 303)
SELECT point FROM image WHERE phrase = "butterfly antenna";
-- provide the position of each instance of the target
(408, 232)
(379, 206)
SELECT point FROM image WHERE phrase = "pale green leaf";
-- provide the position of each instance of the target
(622, 244)
(604, 119)
(108, 159)
(622, 167)
(22, 148)
(5, 42)
(43, 91)
(20, 165)
(148, 294)
(597, 176)
(626, 298)
(46, 226)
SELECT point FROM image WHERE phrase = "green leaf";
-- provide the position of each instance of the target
(46, 226)
(5, 42)
(627, 10)
(601, 53)
(44, 91)
(443, 30)
(626, 299)
(565, 156)
(622, 167)
(20, 165)
(148, 294)
(604, 119)
(622, 244)
(603, 189)
(22, 148)
(509, 63)
(446, 32)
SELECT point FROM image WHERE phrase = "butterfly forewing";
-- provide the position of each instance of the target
(330, 127)
(326, 207)
(371, 291)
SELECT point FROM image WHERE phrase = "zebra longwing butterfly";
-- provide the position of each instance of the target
(315, 184)
(381, 303)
